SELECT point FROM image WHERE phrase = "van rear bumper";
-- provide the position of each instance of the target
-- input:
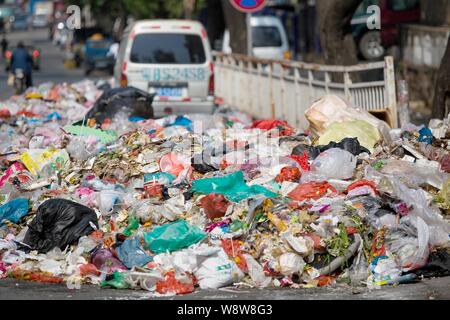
(164, 108)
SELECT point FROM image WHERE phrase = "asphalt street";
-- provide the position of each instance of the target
(431, 289)
(52, 62)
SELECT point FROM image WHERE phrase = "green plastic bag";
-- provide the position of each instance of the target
(133, 225)
(173, 236)
(117, 282)
(105, 136)
(232, 186)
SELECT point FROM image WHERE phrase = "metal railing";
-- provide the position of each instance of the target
(286, 89)
(423, 46)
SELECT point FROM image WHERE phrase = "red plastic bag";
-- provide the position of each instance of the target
(4, 113)
(316, 239)
(302, 161)
(171, 285)
(89, 268)
(215, 205)
(325, 280)
(311, 190)
(284, 128)
(292, 174)
(233, 248)
(153, 191)
(171, 164)
(361, 183)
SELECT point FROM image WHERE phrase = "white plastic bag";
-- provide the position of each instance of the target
(215, 269)
(290, 264)
(334, 164)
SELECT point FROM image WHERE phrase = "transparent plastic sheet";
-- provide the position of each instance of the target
(411, 247)
(256, 272)
(439, 228)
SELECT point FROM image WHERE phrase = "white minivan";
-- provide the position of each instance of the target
(173, 60)
(268, 37)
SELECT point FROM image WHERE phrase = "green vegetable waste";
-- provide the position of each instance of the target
(232, 186)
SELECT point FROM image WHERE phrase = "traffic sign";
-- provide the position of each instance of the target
(248, 6)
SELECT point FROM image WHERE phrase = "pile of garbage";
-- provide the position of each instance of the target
(95, 191)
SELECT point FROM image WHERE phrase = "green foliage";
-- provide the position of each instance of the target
(140, 9)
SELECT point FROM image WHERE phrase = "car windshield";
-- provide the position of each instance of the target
(265, 36)
(168, 48)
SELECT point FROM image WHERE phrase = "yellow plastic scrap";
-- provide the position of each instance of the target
(36, 160)
(367, 134)
(277, 222)
(34, 95)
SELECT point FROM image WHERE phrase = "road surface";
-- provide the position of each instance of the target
(52, 62)
(431, 289)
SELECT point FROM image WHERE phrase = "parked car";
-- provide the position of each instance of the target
(268, 37)
(35, 54)
(372, 44)
(171, 59)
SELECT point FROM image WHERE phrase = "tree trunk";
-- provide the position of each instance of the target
(441, 103)
(188, 8)
(216, 20)
(435, 13)
(335, 31)
(237, 25)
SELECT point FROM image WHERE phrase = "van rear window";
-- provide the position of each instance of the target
(168, 48)
(266, 37)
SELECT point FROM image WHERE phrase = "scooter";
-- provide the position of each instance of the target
(19, 81)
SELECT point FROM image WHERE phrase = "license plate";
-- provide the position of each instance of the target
(169, 92)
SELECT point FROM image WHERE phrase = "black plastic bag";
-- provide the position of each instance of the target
(438, 265)
(59, 223)
(134, 102)
(200, 163)
(351, 145)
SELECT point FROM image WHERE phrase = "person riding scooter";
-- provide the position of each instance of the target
(21, 59)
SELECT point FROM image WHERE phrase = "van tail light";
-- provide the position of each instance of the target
(211, 80)
(124, 81)
(123, 78)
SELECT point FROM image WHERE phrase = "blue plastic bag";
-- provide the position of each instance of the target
(426, 135)
(173, 237)
(232, 186)
(14, 210)
(132, 254)
(182, 122)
